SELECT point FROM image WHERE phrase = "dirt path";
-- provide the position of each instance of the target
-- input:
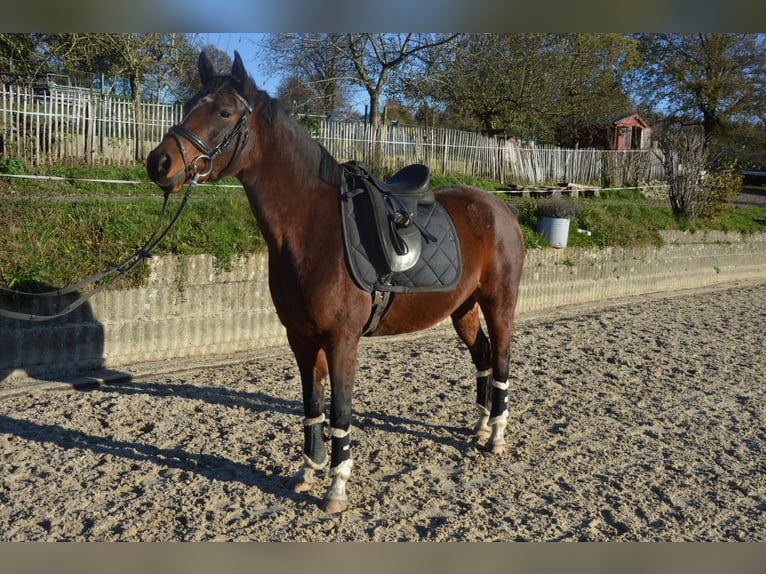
(641, 421)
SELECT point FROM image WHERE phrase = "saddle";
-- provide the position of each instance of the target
(398, 238)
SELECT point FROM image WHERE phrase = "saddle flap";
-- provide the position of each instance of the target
(395, 210)
(400, 240)
(438, 266)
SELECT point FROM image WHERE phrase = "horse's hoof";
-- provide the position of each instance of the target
(302, 486)
(334, 505)
(482, 433)
(498, 448)
(304, 479)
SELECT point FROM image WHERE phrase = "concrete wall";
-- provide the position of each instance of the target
(189, 310)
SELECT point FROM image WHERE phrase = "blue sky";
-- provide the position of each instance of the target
(245, 44)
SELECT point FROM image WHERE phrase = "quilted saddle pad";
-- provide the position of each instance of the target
(439, 267)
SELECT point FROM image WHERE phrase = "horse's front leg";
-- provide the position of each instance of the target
(342, 363)
(312, 365)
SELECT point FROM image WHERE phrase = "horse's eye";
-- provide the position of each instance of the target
(225, 114)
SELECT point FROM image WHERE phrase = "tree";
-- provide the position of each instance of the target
(533, 85)
(377, 59)
(315, 67)
(683, 157)
(296, 96)
(371, 62)
(18, 56)
(585, 80)
(707, 78)
(152, 62)
(484, 78)
(396, 112)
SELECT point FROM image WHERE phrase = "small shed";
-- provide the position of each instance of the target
(620, 132)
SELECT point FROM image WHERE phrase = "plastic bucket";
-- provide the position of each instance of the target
(555, 230)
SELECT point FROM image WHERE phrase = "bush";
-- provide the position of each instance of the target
(719, 188)
(559, 207)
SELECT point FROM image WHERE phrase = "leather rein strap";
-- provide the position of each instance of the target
(239, 131)
(116, 271)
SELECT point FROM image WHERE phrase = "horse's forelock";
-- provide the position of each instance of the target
(247, 89)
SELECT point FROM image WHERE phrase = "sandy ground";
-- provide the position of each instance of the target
(633, 421)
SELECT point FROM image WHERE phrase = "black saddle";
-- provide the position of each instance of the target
(398, 237)
(394, 210)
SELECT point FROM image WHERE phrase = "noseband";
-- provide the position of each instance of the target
(209, 153)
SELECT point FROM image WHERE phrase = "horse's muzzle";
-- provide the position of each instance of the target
(158, 167)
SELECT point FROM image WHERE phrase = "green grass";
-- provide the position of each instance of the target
(58, 232)
(57, 241)
(438, 180)
(633, 222)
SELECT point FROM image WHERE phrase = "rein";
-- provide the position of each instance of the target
(192, 171)
(122, 268)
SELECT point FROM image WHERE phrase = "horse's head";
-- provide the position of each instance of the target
(209, 141)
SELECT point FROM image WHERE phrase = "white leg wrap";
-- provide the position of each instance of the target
(504, 415)
(498, 423)
(339, 433)
(309, 422)
(482, 427)
(340, 475)
(310, 464)
(497, 438)
(486, 373)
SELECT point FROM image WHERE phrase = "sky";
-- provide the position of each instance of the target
(245, 44)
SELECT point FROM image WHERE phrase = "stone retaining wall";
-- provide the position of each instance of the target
(189, 309)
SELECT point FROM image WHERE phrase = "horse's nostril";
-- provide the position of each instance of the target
(158, 164)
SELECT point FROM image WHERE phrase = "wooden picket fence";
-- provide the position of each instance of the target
(77, 126)
(455, 152)
(81, 126)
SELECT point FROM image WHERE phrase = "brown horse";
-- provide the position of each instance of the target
(293, 186)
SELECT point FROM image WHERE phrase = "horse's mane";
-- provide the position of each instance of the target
(327, 167)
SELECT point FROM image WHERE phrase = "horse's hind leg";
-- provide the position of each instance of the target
(468, 326)
(500, 327)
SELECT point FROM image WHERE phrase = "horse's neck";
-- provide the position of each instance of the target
(284, 188)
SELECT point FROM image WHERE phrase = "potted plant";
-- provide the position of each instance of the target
(553, 216)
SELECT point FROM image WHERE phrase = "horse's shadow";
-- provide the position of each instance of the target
(214, 467)
(454, 436)
(49, 350)
(209, 466)
(259, 401)
(255, 401)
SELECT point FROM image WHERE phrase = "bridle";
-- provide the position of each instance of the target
(209, 153)
(193, 174)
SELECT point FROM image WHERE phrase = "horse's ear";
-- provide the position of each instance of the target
(206, 70)
(238, 71)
